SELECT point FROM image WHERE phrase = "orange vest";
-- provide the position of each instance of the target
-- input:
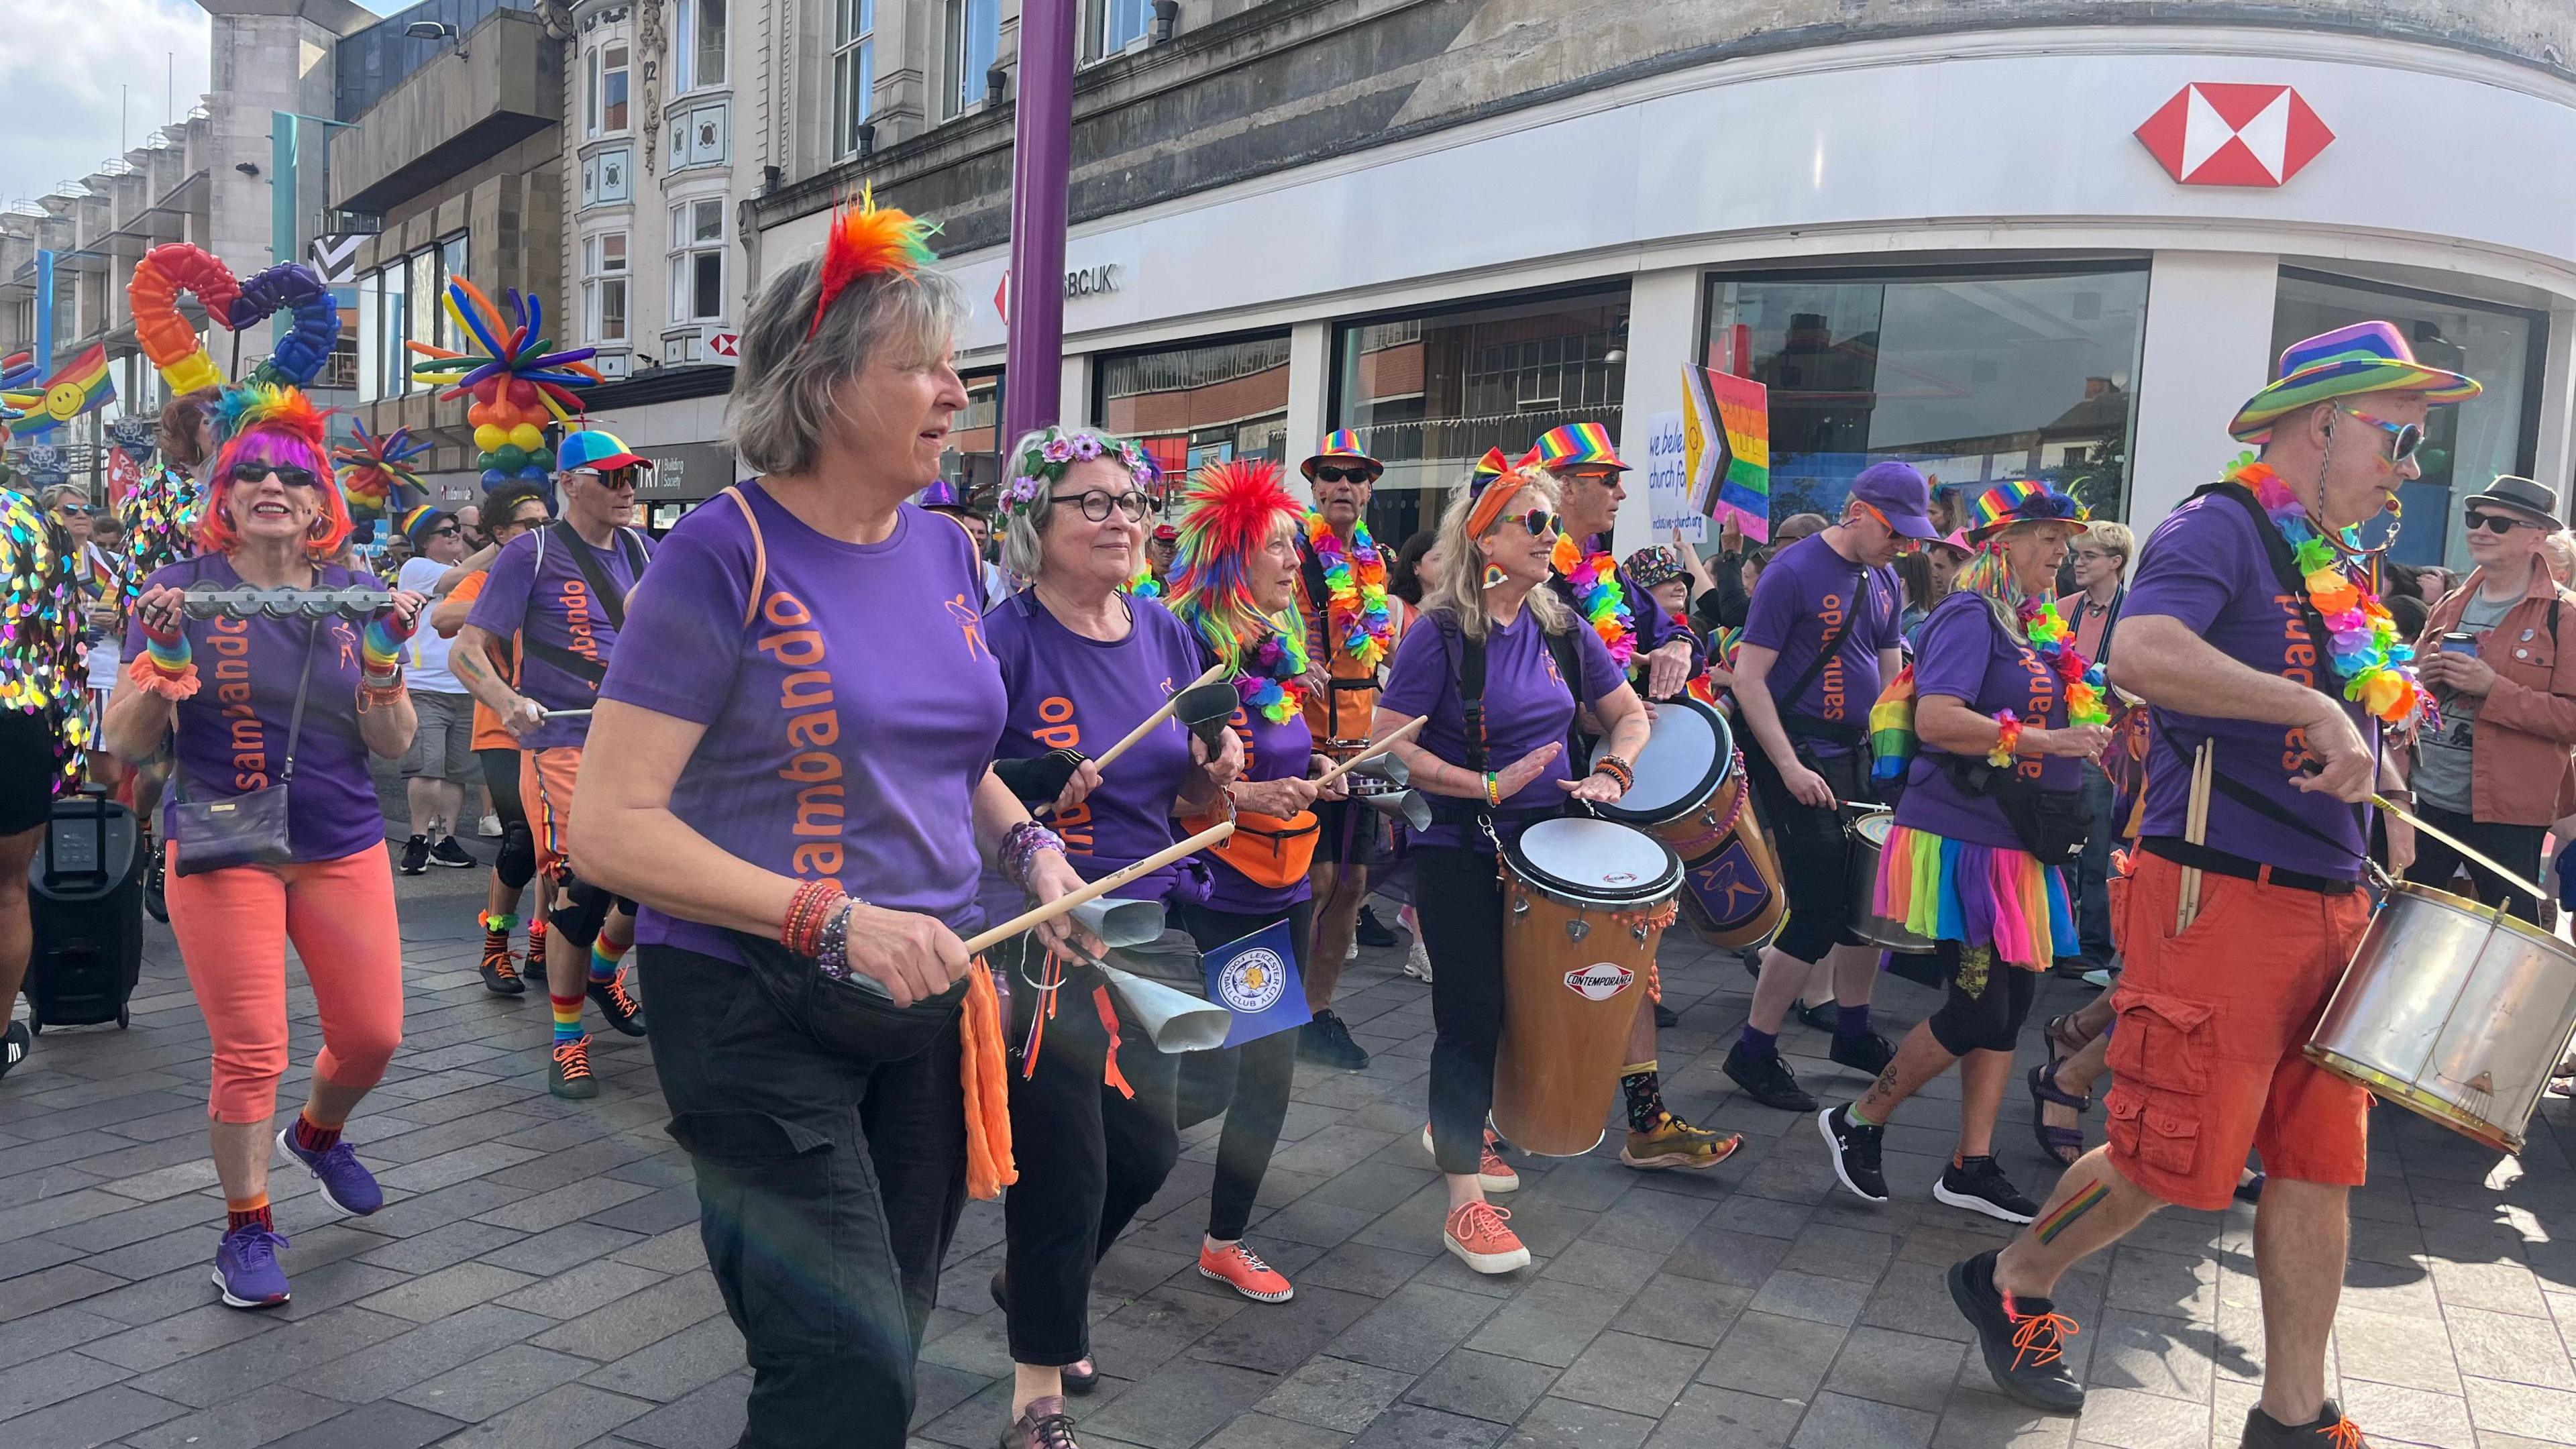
(1339, 717)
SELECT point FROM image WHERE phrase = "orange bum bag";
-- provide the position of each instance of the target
(1266, 850)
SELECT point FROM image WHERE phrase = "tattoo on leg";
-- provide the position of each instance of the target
(2074, 1207)
(1886, 1080)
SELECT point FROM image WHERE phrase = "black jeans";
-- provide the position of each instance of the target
(1089, 1156)
(1253, 1078)
(827, 1128)
(1815, 849)
(2090, 881)
(2517, 846)
(1459, 900)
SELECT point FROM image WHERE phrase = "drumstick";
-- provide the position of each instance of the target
(1402, 733)
(1029, 920)
(2511, 878)
(563, 714)
(1157, 717)
(2195, 829)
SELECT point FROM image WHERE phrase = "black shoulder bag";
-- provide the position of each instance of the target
(245, 829)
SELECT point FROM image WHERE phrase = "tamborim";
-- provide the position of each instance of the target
(2453, 1011)
(1585, 903)
(1869, 842)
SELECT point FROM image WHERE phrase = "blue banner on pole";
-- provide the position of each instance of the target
(1256, 979)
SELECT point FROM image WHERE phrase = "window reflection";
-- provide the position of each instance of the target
(1202, 404)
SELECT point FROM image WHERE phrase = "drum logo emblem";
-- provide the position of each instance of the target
(1619, 877)
(1600, 981)
(1251, 983)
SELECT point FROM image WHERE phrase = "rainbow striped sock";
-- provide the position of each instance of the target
(605, 954)
(567, 1016)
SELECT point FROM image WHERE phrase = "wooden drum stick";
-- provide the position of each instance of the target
(1402, 733)
(2195, 829)
(1215, 672)
(1029, 920)
(2511, 878)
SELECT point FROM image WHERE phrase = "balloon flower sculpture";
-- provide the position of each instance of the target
(516, 384)
(376, 476)
(174, 269)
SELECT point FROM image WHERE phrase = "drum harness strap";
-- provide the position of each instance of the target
(1803, 726)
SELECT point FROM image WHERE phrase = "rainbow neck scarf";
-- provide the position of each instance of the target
(2368, 654)
(1355, 586)
(2054, 643)
(1594, 579)
(1271, 677)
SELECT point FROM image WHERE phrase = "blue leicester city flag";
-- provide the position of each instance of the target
(1256, 979)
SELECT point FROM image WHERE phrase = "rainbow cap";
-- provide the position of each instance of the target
(1575, 445)
(2365, 357)
(597, 451)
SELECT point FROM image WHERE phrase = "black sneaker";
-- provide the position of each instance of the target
(153, 899)
(1825, 1018)
(1767, 1080)
(449, 853)
(1373, 933)
(1327, 1042)
(2329, 1430)
(1854, 1149)
(2023, 1338)
(1979, 1185)
(1665, 1016)
(614, 1004)
(1868, 1054)
(415, 856)
(15, 1043)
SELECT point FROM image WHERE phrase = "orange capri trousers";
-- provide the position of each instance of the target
(545, 791)
(233, 926)
(2206, 1057)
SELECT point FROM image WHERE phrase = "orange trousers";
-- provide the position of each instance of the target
(233, 927)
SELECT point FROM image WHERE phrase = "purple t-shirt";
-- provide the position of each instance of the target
(537, 591)
(1272, 750)
(1527, 703)
(1067, 691)
(2205, 566)
(1964, 655)
(232, 733)
(1807, 590)
(847, 725)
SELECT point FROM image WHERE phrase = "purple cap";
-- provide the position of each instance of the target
(1898, 491)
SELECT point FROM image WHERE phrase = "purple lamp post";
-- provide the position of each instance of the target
(1042, 158)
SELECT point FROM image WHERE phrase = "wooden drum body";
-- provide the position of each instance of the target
(1869, 842)
(1690, 795)
(1584, 907)
(2453, 1011)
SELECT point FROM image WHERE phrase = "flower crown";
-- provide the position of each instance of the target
(1050, 453)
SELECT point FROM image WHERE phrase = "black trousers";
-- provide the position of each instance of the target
(1252, 1079)
(1459, 901)
(1815, 850)
(827, 1129)
(2089, 883)
(1089, 1156)
(2517, 846)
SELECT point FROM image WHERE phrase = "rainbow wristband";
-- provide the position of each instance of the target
(380, 650)
(164, 668)
(2007, 740)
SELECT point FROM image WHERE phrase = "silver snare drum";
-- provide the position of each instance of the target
(1869, 841)
(2452, 1011)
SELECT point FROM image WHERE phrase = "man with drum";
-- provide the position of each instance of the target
(2233, 948)
(1819, 639)
(1661, 655)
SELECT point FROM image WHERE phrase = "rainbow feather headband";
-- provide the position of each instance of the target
(867, 240)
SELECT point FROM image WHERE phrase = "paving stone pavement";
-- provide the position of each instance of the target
(536, 1277)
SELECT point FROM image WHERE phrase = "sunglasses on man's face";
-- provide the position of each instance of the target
(1327, 473)
(2403, 438)
(450, 531)
(291, 477)
(2499, 522)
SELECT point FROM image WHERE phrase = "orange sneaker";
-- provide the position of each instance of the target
(1493, 1174)
(1475, 1232)
(1242, 1270)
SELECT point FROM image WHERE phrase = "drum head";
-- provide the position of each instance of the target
(1873, 827)
(1684, 761)
(1600, 861)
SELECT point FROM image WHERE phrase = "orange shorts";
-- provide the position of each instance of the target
(2206, 1054)
(545, 792)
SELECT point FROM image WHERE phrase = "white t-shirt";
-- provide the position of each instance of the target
(427, 667)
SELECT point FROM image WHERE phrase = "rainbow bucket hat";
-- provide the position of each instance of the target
(1575, 445)
(1341, 443)
(2364, 357)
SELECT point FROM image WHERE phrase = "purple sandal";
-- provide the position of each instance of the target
(2063, 1145)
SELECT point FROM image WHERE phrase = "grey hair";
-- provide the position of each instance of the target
(1461, 590)
(1024, 526)
(52, 497)
(784, 392)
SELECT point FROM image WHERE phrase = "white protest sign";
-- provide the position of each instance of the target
(1668, 481)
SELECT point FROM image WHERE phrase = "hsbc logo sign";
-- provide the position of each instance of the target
(2213, 134)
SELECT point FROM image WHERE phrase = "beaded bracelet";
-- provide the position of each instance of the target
(1618, 770)
(832, 944)
(1020, 847)
(2007, 742)
(807, 911)
(1493, 789)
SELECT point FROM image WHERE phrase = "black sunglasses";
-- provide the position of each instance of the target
(1095, 505)
(292, 477)
(2499, 522)
(447, 531)
(1326, 473)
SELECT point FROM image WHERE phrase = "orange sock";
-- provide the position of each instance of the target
(239, 1214)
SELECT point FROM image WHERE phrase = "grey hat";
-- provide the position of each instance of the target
(2522, 495)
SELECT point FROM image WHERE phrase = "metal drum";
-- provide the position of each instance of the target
(1690, 795)
(1584, 906)
(1869, 841)
(2453, 1011)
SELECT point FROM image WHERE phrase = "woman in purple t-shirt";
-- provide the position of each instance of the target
(1084, 662)
(225, 695)
(1492, 557)
(1235, 582)
(1998, 681)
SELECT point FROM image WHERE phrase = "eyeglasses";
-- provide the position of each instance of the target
(2094, 555)
(1539, 522)
(2403, 438)
(253, 472)
(2499, 522)
(1095, 505)
(1326, 473)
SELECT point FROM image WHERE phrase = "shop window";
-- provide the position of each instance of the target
(974, 37)
(603, 286)
(1114, 25)
(854, 71)
(698, 50)
(454, 261)
(974, 458)
(1430, 393)
(697, 260)
(1199, 404)
(2465, 447)
(604, 112)
(1973, 377)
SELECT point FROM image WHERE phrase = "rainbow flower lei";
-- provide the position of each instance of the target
(1355, 581)
(2054, 643)
(2368, 654)
(1594, 578)
(1144, 585)
(1272, 677)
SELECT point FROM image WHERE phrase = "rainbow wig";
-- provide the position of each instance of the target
(1227, 515)
(273, 425)
(1988, 573)
(868, 240)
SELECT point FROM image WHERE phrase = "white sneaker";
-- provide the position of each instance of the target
(1417, 963)
(490, 828)
(1352, 951)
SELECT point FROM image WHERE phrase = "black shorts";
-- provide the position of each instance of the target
(501, 782)
(1347, 832)
(1815, 850)
(28, 771)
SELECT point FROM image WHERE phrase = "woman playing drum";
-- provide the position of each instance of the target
(1488, 607)
(2006, 715)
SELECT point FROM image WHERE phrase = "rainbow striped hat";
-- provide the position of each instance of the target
(1575, 445)
(1340, 443)
(2365, 357)
(2019, 500)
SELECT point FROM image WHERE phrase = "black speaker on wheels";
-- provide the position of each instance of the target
(85, 895)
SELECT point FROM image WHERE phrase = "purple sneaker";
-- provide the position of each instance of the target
(349, 1186)
(246, 1267)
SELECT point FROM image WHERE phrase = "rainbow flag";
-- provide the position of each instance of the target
(1726, 447)
(82, 385)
